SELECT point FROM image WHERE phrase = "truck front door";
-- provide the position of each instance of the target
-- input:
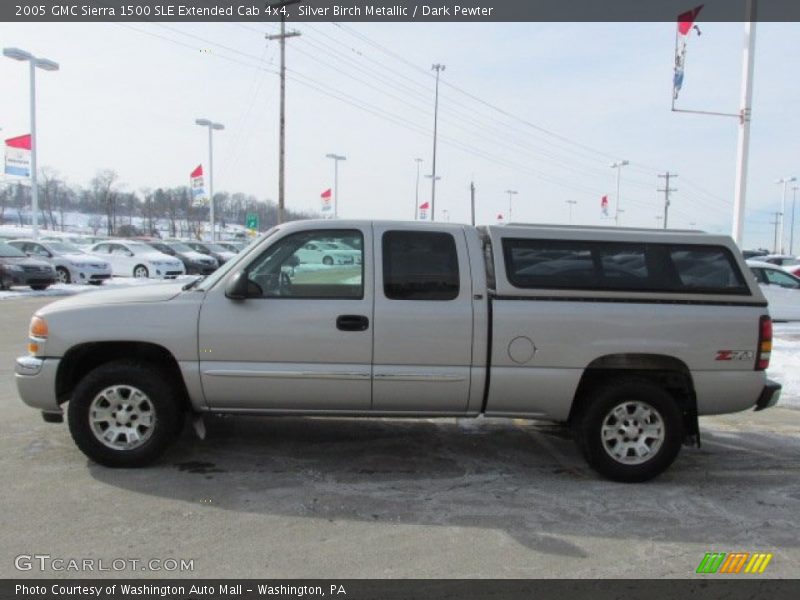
(302, 339)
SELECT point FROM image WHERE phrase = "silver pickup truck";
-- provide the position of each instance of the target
(625, 335)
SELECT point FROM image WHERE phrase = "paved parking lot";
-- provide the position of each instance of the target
(288, 497)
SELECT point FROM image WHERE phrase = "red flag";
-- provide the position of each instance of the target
(198, 172)
(687, 19)
(326, 194)
(604, 205)
(23, 142)
(425, 206)
(499, 216)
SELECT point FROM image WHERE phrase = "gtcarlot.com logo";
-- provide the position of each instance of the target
(734, 562)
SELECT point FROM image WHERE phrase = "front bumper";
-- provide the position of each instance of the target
(36, 382)
(769, 395)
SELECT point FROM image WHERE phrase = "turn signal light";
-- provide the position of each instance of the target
(764, 343)
(38, 328)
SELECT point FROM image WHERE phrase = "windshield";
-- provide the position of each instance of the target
(64, 248)
(178, 247)
(234, 263)
(216, 248)
(6, 250)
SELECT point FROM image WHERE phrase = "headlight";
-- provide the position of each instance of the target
(15, 268)
(81, 265)
(37, 333)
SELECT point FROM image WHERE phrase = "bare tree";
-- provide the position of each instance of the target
(106, 196)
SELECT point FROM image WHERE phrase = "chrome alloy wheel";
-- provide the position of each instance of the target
(632, 432)
(122, 417)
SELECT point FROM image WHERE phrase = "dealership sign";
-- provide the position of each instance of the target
(18, 156)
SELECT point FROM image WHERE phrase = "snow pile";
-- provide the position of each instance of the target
(784, 367)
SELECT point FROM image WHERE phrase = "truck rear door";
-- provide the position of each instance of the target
(423, 327)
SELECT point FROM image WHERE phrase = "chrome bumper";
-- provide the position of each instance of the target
(36, 382)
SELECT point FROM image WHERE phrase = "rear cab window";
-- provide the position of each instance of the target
(420, 265)
(622, 266)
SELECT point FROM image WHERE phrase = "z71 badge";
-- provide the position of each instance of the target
(735, 355)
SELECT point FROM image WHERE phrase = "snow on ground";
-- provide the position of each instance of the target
(784, 366)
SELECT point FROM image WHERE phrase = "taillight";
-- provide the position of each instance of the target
(764, 343)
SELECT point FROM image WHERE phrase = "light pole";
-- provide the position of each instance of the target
(434, 179)
(211, 127)
(785, 181)
(438, 68)
(571, 203)
(510, 193)
(618, 166)
(46, 65)
(791, 232)
(416, 196)
(336, 158)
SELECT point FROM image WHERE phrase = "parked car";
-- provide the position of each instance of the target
(72, 264)
(322, 252)
(234, 247)
(18, 269)
(194, 262)
(781, 289)
(81, 241)
(137, 259)
(218, 252)
(447, 321)
(754, 253)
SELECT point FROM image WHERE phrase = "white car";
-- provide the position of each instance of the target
(782, 290)
(137, 259)
(72, 264)
(327, 253)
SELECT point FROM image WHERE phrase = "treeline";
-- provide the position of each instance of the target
(117, 211)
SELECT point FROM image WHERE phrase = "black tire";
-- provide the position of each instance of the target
(163, 398)
(39, 288)
(63, 275)
(141, 269)
(327, 260)
(598, 407)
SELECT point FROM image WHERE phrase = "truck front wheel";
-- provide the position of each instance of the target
(124, 414)
(630, 430)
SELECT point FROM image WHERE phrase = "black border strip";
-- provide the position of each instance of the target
(630, 300)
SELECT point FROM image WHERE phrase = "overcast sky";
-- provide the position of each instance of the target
(126, 98)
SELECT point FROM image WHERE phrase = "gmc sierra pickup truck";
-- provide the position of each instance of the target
(626, 335)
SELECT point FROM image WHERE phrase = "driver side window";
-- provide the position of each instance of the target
(782, 279)
(323, 263)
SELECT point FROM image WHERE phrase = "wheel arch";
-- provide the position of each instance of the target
(80, 360)
(668, 372)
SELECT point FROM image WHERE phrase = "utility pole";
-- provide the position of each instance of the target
(416, 195)
(438, 68)
(472, 200)
(282, 36)
(783, 181)
(510, 193)
(571, 203)
(776, 222)
(743, 145)
(666, 176)
(791, 233)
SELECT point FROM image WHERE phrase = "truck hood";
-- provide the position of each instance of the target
(155, 292)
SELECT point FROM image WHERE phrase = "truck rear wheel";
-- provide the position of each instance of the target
(124, 414)
(630, 430)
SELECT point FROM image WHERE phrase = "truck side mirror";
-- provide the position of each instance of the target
(239, 287)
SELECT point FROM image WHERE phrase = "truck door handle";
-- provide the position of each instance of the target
(352, 323)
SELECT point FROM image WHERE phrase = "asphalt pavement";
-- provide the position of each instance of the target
(352, 498)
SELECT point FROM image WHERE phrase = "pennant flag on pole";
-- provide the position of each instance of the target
(326, 200)
(685, 25)
(423, 211)
(196, 185)
(604, 205)
(18, 156)
(499, 217)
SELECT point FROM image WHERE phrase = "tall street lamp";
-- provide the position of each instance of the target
(510, 193)
(618, 166)
(438, 68)
(211, 127)
(335, 158)
(785, 181)
(46, 65)
(416, 195)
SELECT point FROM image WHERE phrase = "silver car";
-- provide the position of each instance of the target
(72, 264)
